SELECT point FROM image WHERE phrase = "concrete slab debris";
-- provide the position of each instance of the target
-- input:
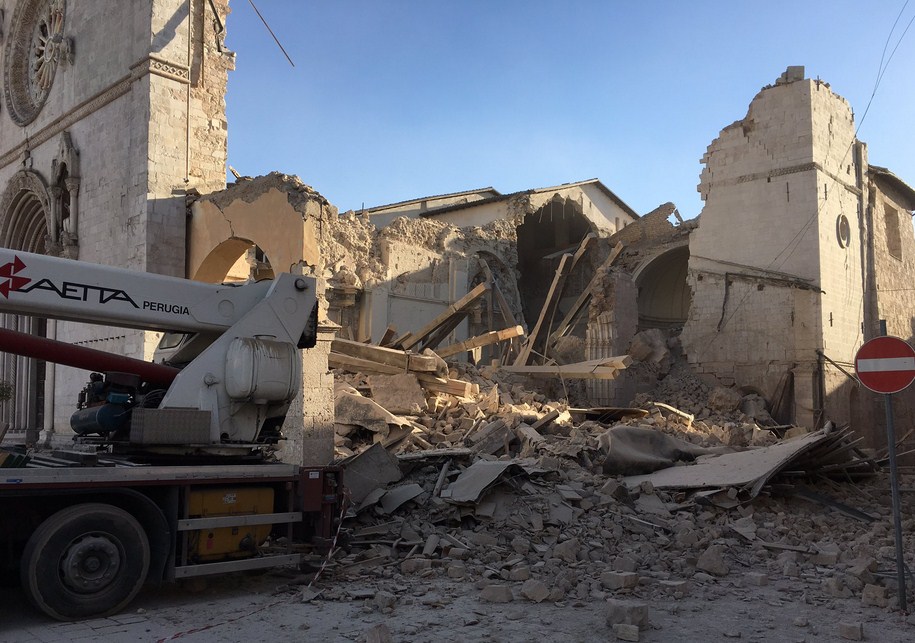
(372, 469)
(397, 496)
(747, 469)
(399, 394)
(477, 478)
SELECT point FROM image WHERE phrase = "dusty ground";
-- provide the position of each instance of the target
(267, 608)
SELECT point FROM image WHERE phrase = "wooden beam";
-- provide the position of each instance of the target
(391, 357)
(485, 339)
(460, 388)
(428, 381)
(508, 318)
(389, 336)
(569, 320)
(357, 365)
(605, 368)
(457, 308)
(566, 371)
(558, 278)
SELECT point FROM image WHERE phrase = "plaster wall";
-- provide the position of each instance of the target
(478, 215)
(605, 215)
(383, 215)
(270, 221)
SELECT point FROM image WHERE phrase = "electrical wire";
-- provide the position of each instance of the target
(795, 241)
(277, 40)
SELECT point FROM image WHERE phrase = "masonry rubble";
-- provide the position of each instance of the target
(510, 490)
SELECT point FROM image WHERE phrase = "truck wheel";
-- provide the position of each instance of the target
(85, 561)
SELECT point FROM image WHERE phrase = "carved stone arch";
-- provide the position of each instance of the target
(24, 219)
(25, 222)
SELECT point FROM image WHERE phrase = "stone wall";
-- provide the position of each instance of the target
(144, 114)
(771, 283)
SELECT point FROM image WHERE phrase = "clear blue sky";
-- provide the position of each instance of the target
(393, 100)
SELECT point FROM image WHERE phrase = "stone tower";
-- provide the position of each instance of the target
(802, 247)
(112, 112)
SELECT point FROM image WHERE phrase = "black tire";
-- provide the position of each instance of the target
(85, 561)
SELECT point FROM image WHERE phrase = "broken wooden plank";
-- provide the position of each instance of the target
(546, 419)
(457, 308)
(480, 340)
(558, 279)
(455, 452)
(569, 320)
(390, 334)
(461, 388)
(356, 365)
(403, 360)
(576, 258)
(580, 370)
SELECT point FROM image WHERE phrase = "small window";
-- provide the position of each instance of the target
(893, 236)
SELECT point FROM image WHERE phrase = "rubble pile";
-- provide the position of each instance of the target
(473, 476)
(543, 528)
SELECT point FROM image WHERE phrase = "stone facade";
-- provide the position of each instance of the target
(98, 165)
(792, 263)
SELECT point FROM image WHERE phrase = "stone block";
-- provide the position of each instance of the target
(836, 588)
(384, 600)
(625, 632)
(415, 565)
(827, 555)
(677, 588)
(567, 550)
(851, 631)
(519, 573)
(874, 595)
(497, 594)
(756, 579)
(399, 394)
(626, 612)
(535, 590)
(624, 564)
(619, 580)
(712, 561)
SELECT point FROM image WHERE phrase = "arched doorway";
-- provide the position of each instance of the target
(556, 228)
(664, 296)
(23, 226)
(234, 260)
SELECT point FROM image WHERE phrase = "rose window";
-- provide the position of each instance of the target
(35, 48)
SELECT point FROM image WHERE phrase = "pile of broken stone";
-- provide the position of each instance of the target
(529, 500)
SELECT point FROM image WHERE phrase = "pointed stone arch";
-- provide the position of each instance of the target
(25, 213)
(24, 219)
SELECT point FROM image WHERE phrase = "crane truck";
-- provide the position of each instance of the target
(172, 477)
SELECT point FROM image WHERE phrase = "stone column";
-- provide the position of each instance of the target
(54, 194)
(71, 226)
(309, 426)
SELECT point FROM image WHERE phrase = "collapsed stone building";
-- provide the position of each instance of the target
(801, 248)
(119, 158)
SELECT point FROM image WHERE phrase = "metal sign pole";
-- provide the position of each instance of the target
(894, 491)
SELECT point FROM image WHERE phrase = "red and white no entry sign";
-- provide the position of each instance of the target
(885, 364)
